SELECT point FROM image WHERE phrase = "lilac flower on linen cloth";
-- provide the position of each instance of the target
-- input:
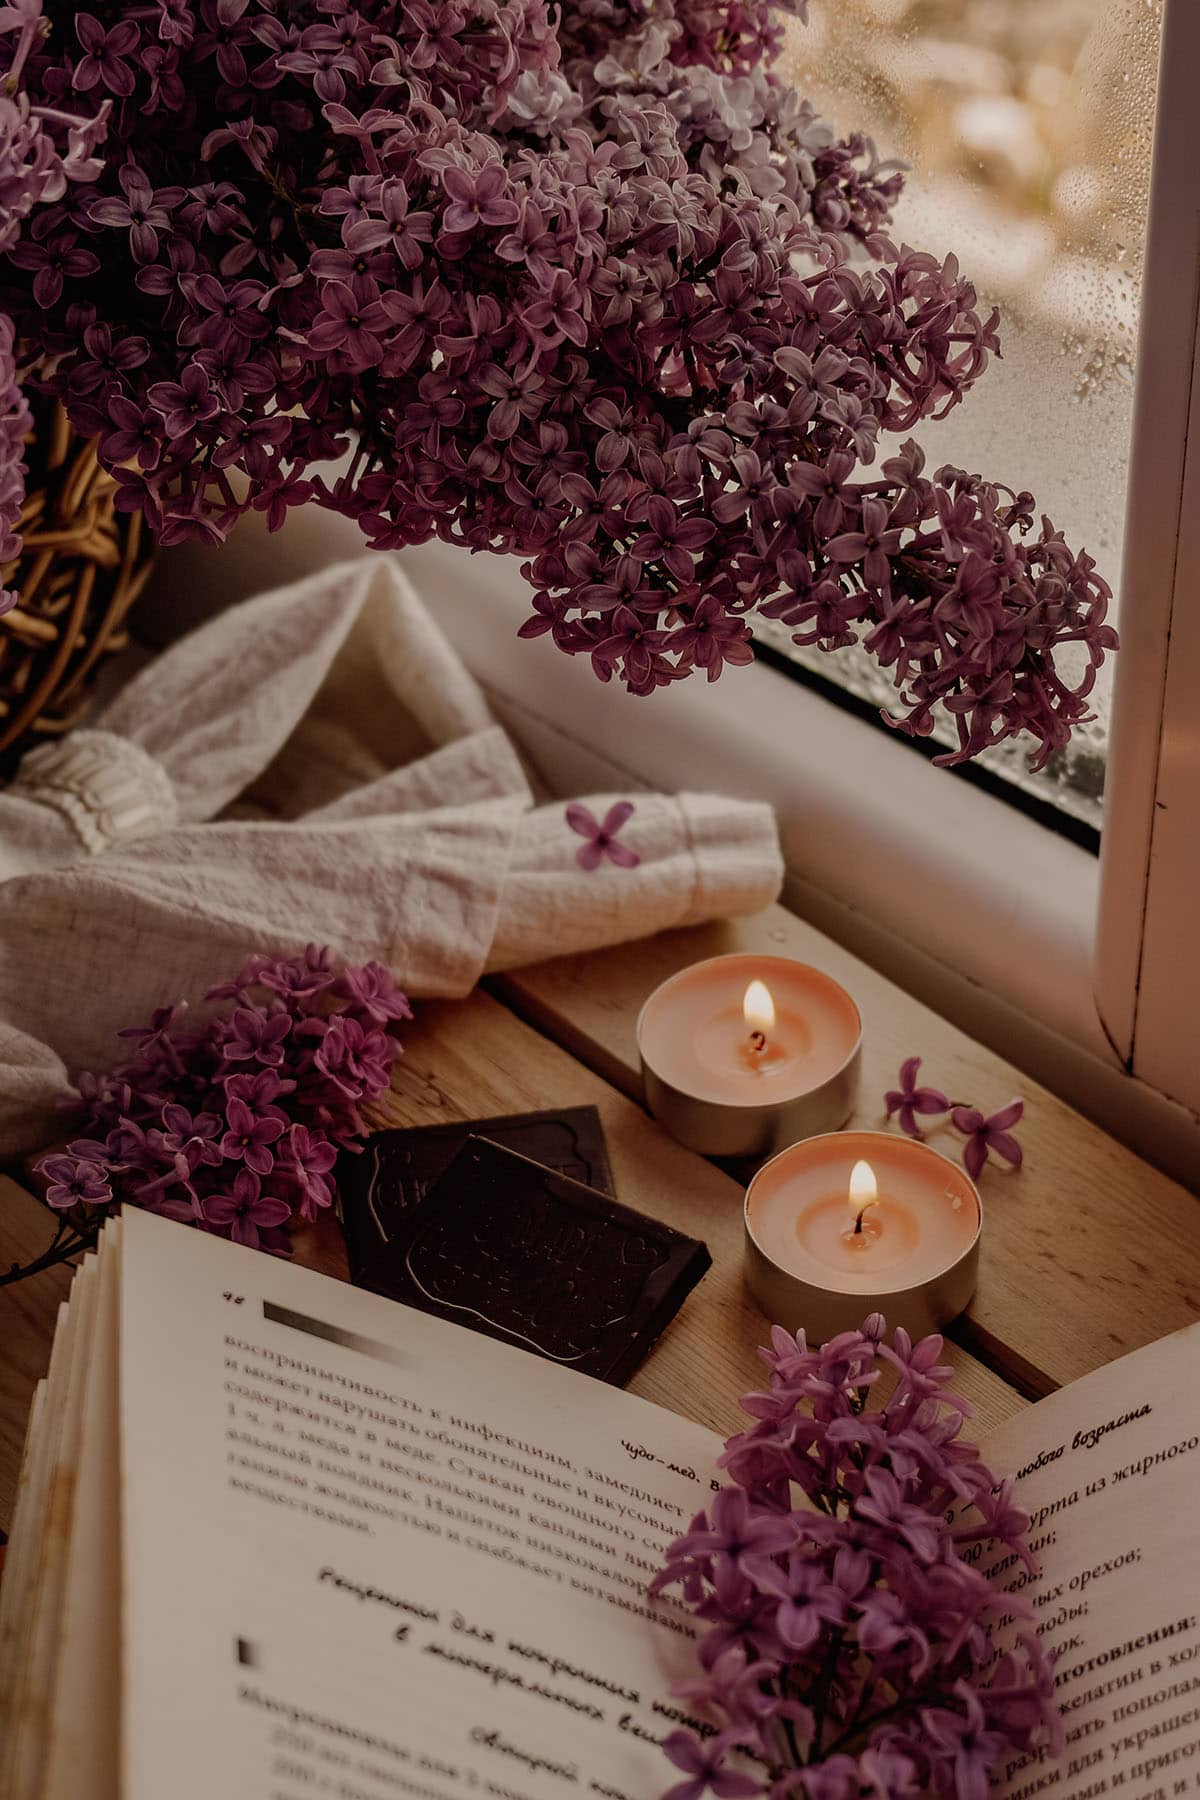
(988, 1136)
(908, 1099)
(234, 1124)
(602, 836)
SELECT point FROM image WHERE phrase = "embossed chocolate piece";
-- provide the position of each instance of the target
(396, 1169)
(525, 1254)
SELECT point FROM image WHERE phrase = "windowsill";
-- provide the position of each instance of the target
(871, 831)
(978, 910)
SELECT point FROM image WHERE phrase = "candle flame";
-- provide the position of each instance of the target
(758, 1008)
(864, 1190)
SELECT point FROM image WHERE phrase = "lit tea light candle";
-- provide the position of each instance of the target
(860, 1222)
(743, 1054)
(863, 1195)
(758, 1010)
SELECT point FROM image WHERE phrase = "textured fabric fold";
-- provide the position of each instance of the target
(222, 703)
(701, 857)
(339, 779)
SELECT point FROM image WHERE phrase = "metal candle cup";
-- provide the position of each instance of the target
(815, 1260)
(724, 1088)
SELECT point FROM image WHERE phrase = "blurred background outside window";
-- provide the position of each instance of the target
(1028, 125)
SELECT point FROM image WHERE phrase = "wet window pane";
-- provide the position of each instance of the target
(1028, 125)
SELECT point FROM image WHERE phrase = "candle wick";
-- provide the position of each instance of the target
(858, 1222)
(758, 1042)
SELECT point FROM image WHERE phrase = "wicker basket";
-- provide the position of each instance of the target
(82, 567)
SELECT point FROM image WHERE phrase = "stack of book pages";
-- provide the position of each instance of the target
(278, 1538)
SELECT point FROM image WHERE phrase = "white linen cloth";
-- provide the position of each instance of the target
(314, 765)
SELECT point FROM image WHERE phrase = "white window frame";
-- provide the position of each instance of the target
(1147, 963)
(1085, 973)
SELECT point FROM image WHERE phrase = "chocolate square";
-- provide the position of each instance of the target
(396, 1169)
(533, 1258)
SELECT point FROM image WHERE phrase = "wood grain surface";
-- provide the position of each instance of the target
(1087, 1252)
(473, 1058)
(470, 1060)
(28, 1310)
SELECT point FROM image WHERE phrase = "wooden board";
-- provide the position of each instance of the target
(1087, 1252)
(28, 1310)
(471, 1060)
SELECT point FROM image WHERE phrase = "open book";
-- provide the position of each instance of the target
(279, 1538)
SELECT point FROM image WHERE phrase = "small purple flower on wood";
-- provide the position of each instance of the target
(602, 835)
(908, 1099)
(988, 1136)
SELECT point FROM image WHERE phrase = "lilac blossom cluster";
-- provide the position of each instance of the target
(43, 148)
(847, 1642)
(235, 1126)
(583, 284)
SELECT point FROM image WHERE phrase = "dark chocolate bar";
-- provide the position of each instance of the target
(396, 1169)
(531, 1257)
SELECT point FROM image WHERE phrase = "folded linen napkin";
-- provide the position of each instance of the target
(315, 764)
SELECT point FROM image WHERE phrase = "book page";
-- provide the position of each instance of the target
(370, 1555)
(21, 1549)
(81, 1740)
(50, 1501)
(1108, 1472)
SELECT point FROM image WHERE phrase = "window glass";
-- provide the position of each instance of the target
(1028, 127)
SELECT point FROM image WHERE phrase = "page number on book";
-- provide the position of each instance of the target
(235, 1298)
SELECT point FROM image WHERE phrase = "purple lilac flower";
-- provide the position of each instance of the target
(103, 62)
(988, 1136)
(250, 1136)
(53, 263)
(807, 1601)
(848, 1647)
(309, 1157)
(601, 835)
(589, 285)
(908, 1099)
(75, 1181)
(352, 1056)
(267, 1090)
(705, 1766)
(962, 1737)
(984, 1135)
(372, 988)
(185, 404)
(478, 198)
(138, 210)
(245, 1210)
(256, 1036)
(196, 1137)
(260, 1091)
